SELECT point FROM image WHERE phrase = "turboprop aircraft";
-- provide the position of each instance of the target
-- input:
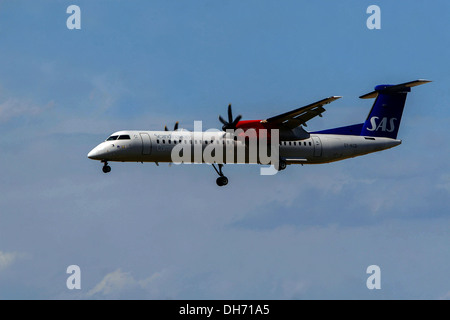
(280, 140)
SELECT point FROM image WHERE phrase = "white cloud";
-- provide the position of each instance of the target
(15, 107)
(113, 283)
(445, 296)
(7, 259)
(107, 90)
(119, 284)
(444, 182)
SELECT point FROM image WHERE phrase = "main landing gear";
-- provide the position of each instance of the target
(106, 168)
(221, 180)
(281, 165)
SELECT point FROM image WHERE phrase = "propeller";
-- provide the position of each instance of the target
(175, 127)
(230, 124)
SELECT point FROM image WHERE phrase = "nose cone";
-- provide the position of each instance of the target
(96, 153)
(92, 154)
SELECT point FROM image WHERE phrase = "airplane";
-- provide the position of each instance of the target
(293, 144)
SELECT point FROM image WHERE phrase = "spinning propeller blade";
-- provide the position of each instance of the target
(231, 123)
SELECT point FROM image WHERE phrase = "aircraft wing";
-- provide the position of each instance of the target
(301, 115)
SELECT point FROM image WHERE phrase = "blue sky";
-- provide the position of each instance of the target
(165, 232)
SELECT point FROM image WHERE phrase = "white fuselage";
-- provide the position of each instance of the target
(157, 146)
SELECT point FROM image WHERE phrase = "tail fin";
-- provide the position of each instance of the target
(386, 113)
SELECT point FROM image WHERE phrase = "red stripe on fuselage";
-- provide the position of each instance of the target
(255, 124)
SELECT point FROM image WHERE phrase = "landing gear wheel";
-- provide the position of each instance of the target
(222, 181)
(106, 168)
(281, 165)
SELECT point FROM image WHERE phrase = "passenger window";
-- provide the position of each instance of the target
(310, 143)
(157, 140)
(164, 141)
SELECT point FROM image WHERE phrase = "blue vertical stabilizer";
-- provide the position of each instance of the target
(386, 113)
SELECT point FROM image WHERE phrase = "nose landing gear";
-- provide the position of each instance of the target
(106, 168)
(221, 180)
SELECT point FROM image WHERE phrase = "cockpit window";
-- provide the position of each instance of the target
(124, 137)
(112, 138)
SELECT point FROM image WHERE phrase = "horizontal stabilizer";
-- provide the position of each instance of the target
(386, 88)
